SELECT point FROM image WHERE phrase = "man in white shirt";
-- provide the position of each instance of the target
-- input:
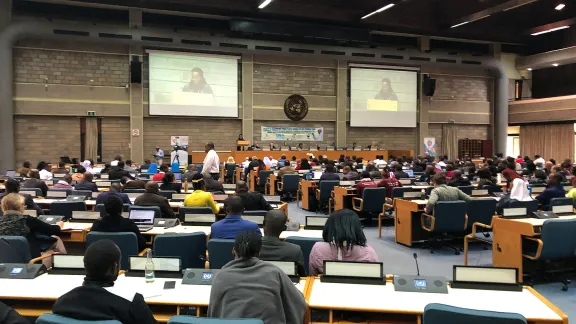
(539, 160)
(273, 161)
(211, 162)
(441, 163)
(117, 159)
(159, 155)
(45, 175)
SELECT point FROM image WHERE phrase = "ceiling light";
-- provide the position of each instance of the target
(550, 30)
(379, 10)
(264, 4)
(560, 6)
(529, 69)
(554, 64)
(460, 24)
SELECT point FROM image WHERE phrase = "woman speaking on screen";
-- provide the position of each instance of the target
(386, 92)
(197, 83)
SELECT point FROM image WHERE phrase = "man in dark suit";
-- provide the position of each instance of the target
(86, 183)
(152, 198)
(115, 190)
(251, 200)
(35, 182)
(12, 186)
(274, 249)
(118, 172)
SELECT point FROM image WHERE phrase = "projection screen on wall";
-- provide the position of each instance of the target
(193, 84)
(383, 98)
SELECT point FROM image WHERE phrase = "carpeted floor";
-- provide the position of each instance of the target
(398, 259)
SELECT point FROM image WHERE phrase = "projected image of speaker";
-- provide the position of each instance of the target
(428, 86)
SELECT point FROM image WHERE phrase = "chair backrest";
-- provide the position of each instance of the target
(326, 187)
(255, 212)
(65, 208)
(561, 201)
(34, 192)
(466, 189)
(220, 252)
(492, 189)
(558, 239)
(193, 210)
(182, 319)
(57, 319)
(85, 193)
(398, 192)
(290, 183)
(306, 244)
(126, 241)
(100, 208)
(442, 314)
(14, 249)
(156, 209)
(450, 216)
(190, 248)
(230, 168)
(481, 210)
(130, 190)
(530, 205)
(263, 177)
(166, 193)
(374, 199)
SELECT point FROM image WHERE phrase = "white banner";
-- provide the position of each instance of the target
(312, 134)
(180, 143)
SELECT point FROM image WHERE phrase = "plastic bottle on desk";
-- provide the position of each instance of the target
(149, 268)
(423, 194)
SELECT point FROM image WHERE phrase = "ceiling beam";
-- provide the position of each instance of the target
(558, 24)
(491, 11)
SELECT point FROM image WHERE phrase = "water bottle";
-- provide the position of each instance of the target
(149, 268)
(529, 189)
(423, 194)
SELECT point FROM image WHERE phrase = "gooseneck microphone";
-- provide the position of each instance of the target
(415, 255)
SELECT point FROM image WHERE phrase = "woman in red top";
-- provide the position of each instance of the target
(160, 175)
(304, 165)
(388, 182)
(366, 182)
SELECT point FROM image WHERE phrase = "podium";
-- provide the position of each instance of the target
(242, 144)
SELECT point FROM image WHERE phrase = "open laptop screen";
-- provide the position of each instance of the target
(142, 217)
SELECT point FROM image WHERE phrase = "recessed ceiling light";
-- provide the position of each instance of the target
(529, 69)
(460, 24)
(550, 30)
(379, 10)
(554, 64)
(560, 6)
(264, 4)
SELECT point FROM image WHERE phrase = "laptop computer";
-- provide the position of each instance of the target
(410, 173)
(51, 219)
(144, 219)
(10, 173)
(317, 175)
(178, 176)
(545, 214)
(75, 198)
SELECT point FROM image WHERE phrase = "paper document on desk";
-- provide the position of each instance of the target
(127, 290)
(70, 227)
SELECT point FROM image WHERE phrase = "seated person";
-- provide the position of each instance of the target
(428, 174)
(283, 161)
(115, 190)
(8, 315)
(145, 166)
(168, 183)
(16, 223)
(129, 167)
(286, 169)
(79, 175)
(160, 175)
(13, 186)
(518, 192)
(442, 192)
(152, 198)
(35, 182)
(570, 194)
(44, 169)
(374, 173)
(485, 178)
(558, 170)
(132, 184)
(399, 174)
(539, 177)
(25, 169)
(97, 299)
(250, 288)
(212, 185)
(329, 174)
(251, 200)
(388, 183)
(114, 222)
(274, 249)
(350, 174)
(366, 182)
(554, 190)
(304, 165)
(457, 180)
(65, 183)
(118, 172)
(232, 224)
(62, 168)
(343, 240)
(201, 198)
(86, 183)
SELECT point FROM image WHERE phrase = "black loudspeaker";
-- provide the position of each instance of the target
(135, 70)
(428, 86)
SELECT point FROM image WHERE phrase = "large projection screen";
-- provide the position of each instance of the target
(192, 84)
(383, 98)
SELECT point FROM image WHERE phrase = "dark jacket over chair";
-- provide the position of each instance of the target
(117, 223)
(85, 185)
(152, 199)
(9, 316)
(135, 184)
(36, 183)
(14, 224)
(254, 201)
(93, 302)
(459, 182)
(274, 249)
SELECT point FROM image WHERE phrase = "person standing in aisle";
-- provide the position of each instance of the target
(211, 162)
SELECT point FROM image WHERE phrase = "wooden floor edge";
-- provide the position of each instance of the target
(549, 304)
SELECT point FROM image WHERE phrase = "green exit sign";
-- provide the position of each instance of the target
(91, 113)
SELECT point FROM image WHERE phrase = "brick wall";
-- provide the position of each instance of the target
(115, 138)
(72, 68)
(223, 132)
(464, 131)
(391, 138)
(294, 80)
(46, 138)
(464, 88)
(329, 130)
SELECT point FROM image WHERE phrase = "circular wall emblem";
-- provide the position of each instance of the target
(296, 107)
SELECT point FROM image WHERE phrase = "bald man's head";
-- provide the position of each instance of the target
(152, 187)
(241, 186)
(274, 223)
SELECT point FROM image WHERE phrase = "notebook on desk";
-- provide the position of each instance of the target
(144, 219)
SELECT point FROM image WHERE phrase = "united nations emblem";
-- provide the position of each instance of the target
(296, 107)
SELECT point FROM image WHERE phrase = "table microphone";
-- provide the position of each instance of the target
(415, 255)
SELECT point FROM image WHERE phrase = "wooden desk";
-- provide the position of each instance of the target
(406, 307)
(272, 180)
(238, 174)
(252, 179)
(343, 197)
(308, 188)
(332, 155)
(507, 240)
(407, 218)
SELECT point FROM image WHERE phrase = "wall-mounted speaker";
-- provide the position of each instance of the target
(135, 70)
(428, 86)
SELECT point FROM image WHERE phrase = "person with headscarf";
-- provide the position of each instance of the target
(87, 166)
(267, 162)
(518, 191)
(97, 299)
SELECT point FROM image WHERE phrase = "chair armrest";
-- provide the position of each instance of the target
(423, 223)
(317, 194)
(42, 257)
(465, 222)
(538, 250)
(476, 225)
(143, 253)
(354, 200)
(280, 185)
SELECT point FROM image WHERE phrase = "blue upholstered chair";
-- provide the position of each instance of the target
(16, 249)
(190, 248)
(229, 175)
(180, 319)
(372, 201)
(466, 189)
(566, 201)
(324, 193)
(156, 209)
(288, 184)
(262, 180)
(57, 319)
(126, 241)
(65, 208)
(443, 314)
(220, 252)
(306, 244)
(531, 205)
(85, 193)
(449, 218)
(480, 213)
(34, 192)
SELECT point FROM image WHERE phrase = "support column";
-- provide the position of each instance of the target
(341, 103)
(423, 119)
(424, 44)
(5, 13)
(8, 156)
(136, 97)
(500, 112)
(247, 93)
